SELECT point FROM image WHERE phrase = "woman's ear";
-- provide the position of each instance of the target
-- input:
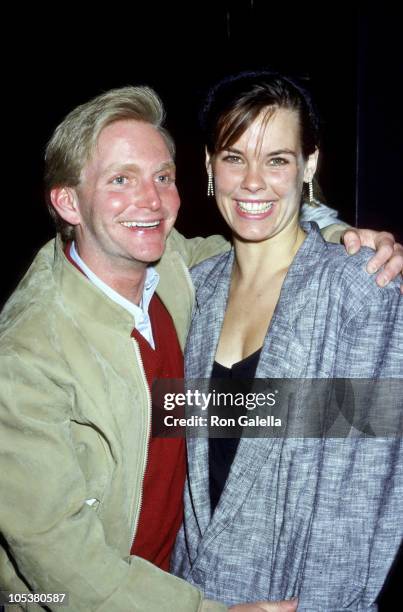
(208, 159)
(310, 166)
(65, 202)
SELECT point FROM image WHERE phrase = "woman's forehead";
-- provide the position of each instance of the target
(274, 128)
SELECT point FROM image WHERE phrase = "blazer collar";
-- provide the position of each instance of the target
(293, 295)
(251, 453)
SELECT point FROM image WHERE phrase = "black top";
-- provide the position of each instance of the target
(222, 450)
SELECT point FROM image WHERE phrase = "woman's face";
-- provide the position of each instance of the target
(259, 179)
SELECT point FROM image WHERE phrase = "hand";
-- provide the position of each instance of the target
(388, 253)
(267, 606)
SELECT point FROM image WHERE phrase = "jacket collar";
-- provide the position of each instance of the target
(174, 289)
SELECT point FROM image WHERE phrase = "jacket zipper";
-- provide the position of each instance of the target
(147, 433)
(189, 277)
(193, 293)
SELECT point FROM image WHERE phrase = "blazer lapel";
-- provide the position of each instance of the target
(251, 454)
(282, 356)
(210, 304)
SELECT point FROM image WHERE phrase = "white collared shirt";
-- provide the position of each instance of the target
(140, 314)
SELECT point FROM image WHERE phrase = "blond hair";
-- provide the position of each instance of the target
(75, 138)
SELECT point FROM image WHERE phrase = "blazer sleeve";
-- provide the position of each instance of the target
(372, 335)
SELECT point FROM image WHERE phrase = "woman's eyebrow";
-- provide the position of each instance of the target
(276, 152)
(282, 152)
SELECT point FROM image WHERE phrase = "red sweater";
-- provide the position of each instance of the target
(162, 507)
(162, 503)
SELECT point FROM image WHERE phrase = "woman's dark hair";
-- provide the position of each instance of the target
(234, 103)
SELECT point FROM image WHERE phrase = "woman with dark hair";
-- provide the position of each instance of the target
(270, 519)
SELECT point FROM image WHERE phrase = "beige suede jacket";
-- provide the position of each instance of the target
(74, 424)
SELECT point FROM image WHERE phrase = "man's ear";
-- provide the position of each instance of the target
(65, 202)
(310, 166)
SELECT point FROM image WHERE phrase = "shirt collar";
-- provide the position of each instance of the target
(150, 285)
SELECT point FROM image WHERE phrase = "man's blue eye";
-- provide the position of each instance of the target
(119, 180)
(165, 178)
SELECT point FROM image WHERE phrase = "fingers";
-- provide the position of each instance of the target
(383, 254)
(267, 606)
(392, 268)
(351, 241)
(354, 239)
(392, 260)
(279, 606)
(388, 253)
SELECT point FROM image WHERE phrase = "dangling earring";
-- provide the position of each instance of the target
(311, 200)
(310, 191)
(210, 184)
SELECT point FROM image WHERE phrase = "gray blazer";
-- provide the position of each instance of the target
(320, 519)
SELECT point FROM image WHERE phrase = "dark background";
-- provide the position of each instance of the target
(352, 57)
(56, 60)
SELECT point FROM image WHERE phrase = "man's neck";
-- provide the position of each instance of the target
(130, 286)
(127, 281)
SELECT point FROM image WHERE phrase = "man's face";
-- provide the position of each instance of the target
(127, 200)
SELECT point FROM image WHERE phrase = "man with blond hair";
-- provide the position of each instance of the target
(90, 504)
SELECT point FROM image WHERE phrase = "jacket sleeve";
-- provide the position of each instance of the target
(54, 539)
(195, 250)
(327, 218)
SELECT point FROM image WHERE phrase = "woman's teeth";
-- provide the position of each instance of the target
(255, 207)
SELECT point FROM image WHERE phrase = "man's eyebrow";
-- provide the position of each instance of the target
(168, 165)
(131, 167)
(120, 168)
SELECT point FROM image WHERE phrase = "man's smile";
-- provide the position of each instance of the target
(141, 224)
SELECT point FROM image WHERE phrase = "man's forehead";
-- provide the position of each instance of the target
(130, 129)
(129, 141)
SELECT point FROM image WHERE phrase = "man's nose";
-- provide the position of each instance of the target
(149, 196)
(253, 179)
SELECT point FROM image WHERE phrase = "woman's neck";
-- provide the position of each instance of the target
(267, 258)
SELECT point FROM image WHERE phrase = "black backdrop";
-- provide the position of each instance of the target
(351, 57)
(65, 59)
(58, 58)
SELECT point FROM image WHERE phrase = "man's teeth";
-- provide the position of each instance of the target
(255, 207)
(140, 223)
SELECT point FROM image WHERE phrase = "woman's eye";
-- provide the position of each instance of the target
(232, 159)
(278, 161)
(119, 180)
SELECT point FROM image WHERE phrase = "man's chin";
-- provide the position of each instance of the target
(147, 248)
(151, 256)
